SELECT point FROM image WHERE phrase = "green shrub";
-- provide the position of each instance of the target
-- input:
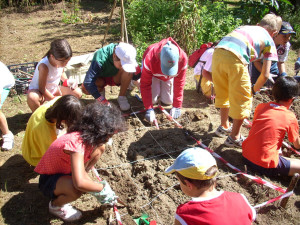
(190, 23)
(149, 21)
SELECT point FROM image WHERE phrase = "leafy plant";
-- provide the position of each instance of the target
(190, 23)
(150, 21)
(74, 15)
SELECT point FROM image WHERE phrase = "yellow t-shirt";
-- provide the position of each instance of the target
(39, 135)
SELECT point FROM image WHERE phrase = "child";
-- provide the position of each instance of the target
(43, 124)
(7, 81)
(196, 170)
(282, 43)
(48, 73)
(202, 72)
(271, 122)
(231, 77)
(112, 65)
(63, 169)
(163, 76)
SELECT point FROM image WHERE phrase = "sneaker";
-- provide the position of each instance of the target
(8, 141)
(123, 103)
(222, 132)
(229, 142)
(66, 212)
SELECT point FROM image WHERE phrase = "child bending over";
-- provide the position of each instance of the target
(230, 73)
(48, 73)
(196, 170)
(63, 168)
(44, 124)
(271, 122)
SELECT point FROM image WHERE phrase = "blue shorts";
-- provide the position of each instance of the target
(283, 167)
(47, 184)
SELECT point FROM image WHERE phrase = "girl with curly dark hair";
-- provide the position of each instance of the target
(64, 166)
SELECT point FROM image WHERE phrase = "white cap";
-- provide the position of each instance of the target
(127, 54)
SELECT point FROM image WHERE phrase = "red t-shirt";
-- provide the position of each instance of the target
(55, 160)
(270, 123)
(226, 208)
(152, 68)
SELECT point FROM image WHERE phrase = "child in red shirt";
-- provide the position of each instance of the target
(196, 170)
(271, 122)
(63, 168)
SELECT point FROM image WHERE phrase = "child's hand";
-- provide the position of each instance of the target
(175, 112)
(71, 83)
(103, 100)
(107, 195)
(150, 115)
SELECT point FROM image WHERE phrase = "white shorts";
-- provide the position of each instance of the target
(162, 89)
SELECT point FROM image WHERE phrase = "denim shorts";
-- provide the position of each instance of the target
(47, 184)
(283, 167)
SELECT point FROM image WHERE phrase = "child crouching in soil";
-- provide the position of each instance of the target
(271, 122)
(196, 170)
(63, 168)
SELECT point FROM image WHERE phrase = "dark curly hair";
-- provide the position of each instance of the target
(66, 109)
(285, 88)
(98, 123)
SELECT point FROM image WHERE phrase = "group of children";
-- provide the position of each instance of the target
(63, 158)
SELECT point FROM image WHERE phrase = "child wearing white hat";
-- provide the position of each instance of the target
(112, 65)
(196, 170)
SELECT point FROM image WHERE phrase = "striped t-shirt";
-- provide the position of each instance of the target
(249, 43)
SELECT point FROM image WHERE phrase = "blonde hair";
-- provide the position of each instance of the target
(271, 22)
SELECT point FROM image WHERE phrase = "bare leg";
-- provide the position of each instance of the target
(65, 191)
(34, 99)
(3, 124)
(123, 78)
(236, 129)
(294, 167)
(224, 117)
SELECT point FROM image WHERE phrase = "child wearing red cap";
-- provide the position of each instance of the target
(196, 170)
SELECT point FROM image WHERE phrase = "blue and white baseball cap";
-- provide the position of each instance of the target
(169, 57)
(193, 163)
(286, 28)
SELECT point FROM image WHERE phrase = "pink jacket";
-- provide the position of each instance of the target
(151, 67)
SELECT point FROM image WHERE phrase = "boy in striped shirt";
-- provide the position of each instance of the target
(231, 76)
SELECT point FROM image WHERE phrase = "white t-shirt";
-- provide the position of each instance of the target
(206, 57)
(7, 79)
(53, 77)
(283, 52)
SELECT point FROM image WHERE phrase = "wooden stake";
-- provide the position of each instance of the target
(124, 28)
(291, 187)
(122, 22)
(111, 14)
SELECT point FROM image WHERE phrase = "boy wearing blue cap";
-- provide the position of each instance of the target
(163, 75)
(283, 45)
(196, 170)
